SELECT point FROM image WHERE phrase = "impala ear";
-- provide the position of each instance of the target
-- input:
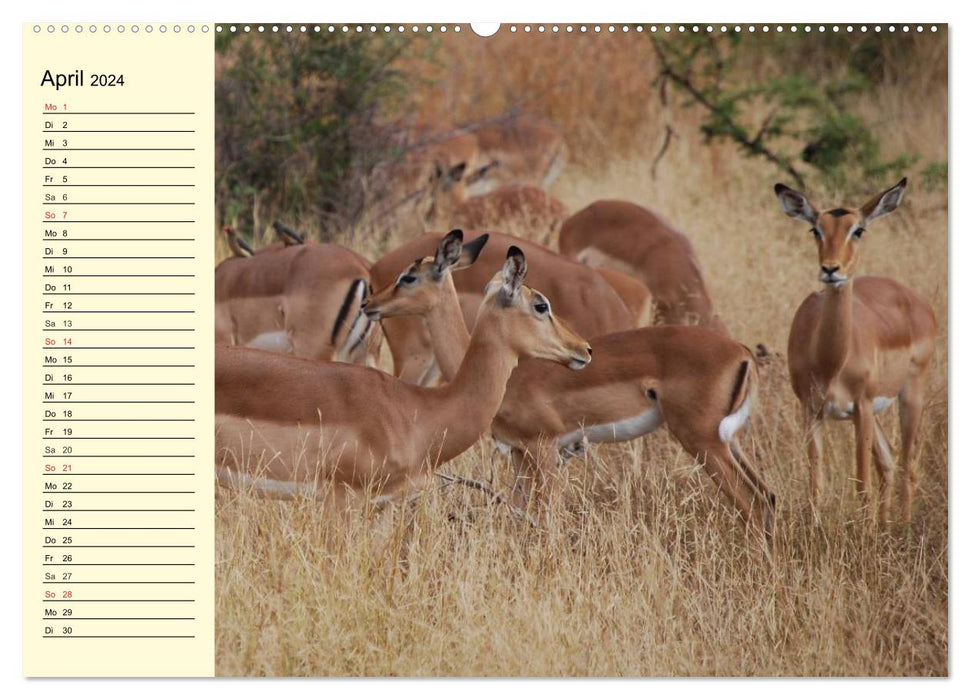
(449, 252)
(456, 172)
(470, 252)
(795, 204)
(885, 202)
(513, 274)
(450, 177)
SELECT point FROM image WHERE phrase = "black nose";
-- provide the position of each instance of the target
(590, 350)
(829, 269)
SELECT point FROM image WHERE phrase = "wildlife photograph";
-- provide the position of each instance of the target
(581, 350)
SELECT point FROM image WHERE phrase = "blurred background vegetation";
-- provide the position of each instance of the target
(303, 119)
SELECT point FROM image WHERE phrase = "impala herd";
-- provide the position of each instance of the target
(616, 337)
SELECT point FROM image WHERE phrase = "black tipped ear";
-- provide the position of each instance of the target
(795, 204)
(449, 251)
(456, 172)
(885, 202)
(513, 274)
(471, 250)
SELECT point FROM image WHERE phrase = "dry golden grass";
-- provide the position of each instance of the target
(645, 570)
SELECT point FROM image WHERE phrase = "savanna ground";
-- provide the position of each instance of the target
(645, 571)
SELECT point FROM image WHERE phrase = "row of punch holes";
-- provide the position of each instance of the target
(570, 28)
(121, 28)
(513, 28)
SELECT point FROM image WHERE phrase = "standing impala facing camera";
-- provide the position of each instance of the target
(857, 345)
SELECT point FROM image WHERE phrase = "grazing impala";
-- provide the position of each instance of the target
(428, 173)
(286, 425)
(700, 383)
(631, 239)
(509, 208)
(582, 298)
(304, 300)
(238, 247)
(522, 150)
(636, 296)
(857, 345)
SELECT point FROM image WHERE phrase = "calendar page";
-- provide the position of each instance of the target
(519, 350)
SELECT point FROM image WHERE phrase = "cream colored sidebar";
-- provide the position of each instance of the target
(117, 346)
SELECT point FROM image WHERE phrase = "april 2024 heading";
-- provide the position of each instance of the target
(76, 79)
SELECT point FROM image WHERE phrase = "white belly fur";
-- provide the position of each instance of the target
(836, 411)
(620, 431)
(262, 486)
(273, 341)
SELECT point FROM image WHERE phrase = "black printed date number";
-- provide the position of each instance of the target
(107, 80)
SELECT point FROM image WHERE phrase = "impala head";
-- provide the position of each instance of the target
(445, 188)
(526, 318)
(427, 282)
(839, 232)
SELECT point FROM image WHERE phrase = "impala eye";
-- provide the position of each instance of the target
(542, 308)
(407, 279)
(858, 233)
(816, 233)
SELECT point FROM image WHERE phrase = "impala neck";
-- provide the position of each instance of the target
(833, 333)
(471, 400)
(450, 337)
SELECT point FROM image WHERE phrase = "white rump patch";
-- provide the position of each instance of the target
(733, 422)
(273, 341)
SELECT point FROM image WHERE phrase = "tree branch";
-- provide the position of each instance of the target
(739, 134)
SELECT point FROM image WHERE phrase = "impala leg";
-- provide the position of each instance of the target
(886, 467)
(911, 411)
(536, 484)
(863, 423)
(750, 472)
(813, 429)
(751, 498)
(524, 490)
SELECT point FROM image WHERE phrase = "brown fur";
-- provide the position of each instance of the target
(856, 340)
(524, 150)
(356, 427)
(579, 296)
(696, 376)
(298, 290)
(525, 206)
(634, 240)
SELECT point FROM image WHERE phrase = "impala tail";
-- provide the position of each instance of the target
(740, 407)
(351, 326)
